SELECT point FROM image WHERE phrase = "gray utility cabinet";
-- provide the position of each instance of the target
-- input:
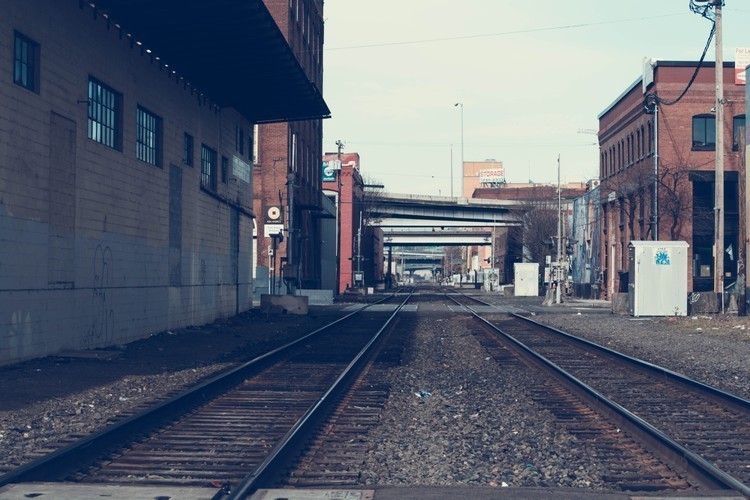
(526, 282)
(658, 275)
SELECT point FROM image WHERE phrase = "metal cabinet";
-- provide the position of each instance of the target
(658, 276)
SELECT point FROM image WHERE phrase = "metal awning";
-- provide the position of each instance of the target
(230, 50)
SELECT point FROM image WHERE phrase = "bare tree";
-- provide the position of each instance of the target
(372, 193)
(633, 190)
(676, 201)
(539, 227)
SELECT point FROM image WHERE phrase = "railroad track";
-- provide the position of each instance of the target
(233, 431)
(702, 432)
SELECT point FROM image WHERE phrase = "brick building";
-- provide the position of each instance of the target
(683, 135)
(481, 174)
(125, 177)
(287, 167)
(359, 246)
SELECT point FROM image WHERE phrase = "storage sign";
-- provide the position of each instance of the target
(661, 258)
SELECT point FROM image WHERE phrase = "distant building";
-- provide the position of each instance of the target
(482, 174)
(287, 164)
(685, 136)
(126, 185)
(509, 243)
(360, 258)
(585, 249)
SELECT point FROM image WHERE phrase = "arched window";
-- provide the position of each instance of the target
(627, 152)
(643, 141)
(638, 154)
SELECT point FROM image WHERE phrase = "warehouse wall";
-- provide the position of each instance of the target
(97, 247)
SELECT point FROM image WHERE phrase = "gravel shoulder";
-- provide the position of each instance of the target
(714, 350)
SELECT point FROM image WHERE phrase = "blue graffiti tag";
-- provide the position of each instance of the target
(662, 258)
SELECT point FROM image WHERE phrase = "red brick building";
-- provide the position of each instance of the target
(682, 137)
(287, 167)
(359, 246)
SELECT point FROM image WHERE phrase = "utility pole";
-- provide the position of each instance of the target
(340, 147)
(451, 170)
(558, 267)
(719, 192)
(655, 215)
(359, 251)
(461, 193)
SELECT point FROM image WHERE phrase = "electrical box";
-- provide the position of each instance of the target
(658, 273)
(526, 282)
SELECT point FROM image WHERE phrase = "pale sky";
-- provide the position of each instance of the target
(530, 75)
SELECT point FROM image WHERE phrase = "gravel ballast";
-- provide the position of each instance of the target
(454, 416)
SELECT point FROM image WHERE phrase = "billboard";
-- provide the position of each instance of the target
(741, 61)
(329, 170)
(492, 176)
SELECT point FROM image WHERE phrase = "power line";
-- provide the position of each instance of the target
(502, 33)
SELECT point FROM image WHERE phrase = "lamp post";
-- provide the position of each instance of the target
(462, 147)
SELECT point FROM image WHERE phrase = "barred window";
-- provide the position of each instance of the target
(208, 167)
(148, 137)
(25, 62)
(104, 114)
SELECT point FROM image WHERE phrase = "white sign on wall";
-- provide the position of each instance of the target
(741, 61)
(240, 169)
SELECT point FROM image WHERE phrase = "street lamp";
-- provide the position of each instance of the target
(462, 146)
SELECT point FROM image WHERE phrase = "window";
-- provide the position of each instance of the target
(627, 152)
(239, 140)
(104, 114)
(187, 149)
(148, 137)
(738, 133)
(224, 169)
(208, 167)
(650, 140)
(704, 132)
(26, 62)
(256, 142)
(638, 150)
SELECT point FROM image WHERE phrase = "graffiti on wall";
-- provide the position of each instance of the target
(101, 330)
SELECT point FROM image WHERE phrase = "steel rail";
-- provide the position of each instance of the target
(694, 463)
(718, 394)
(66, 459)
(314, 415)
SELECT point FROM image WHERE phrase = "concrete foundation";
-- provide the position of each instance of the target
(283, 304)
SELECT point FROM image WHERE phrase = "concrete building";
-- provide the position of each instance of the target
(682, 137)
(586, 263)
(125, 164)
(287, 166)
